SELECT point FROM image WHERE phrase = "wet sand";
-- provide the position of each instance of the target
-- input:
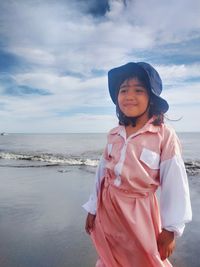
(42, 222)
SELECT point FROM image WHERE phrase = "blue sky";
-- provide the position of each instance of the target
(55, 55)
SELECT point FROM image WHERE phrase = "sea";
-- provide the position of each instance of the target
(75, 149)
(44, 181)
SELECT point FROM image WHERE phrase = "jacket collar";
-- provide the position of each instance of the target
(148, 127)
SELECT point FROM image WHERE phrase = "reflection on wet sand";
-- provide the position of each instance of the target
(42, 222)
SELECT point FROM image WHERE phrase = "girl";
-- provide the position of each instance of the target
(124, 220)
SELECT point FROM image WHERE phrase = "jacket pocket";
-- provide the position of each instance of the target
(150, 158)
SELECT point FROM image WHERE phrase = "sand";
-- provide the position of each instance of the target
(42, 222)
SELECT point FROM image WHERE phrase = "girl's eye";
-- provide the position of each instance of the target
(140, 90)
(123, 90)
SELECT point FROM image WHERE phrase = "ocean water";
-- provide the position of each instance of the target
(46, 150)
(28, 150)
(44, 180)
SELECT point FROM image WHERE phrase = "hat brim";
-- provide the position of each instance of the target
(160, 103)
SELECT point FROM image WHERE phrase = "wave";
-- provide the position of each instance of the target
(192, 167)
(47, 160)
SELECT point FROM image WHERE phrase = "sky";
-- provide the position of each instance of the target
(55, 56)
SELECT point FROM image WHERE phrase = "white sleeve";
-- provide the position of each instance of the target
(175, 202)
(91, 205)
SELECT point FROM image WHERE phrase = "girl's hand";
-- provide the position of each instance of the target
(166, 243)
(89, 225)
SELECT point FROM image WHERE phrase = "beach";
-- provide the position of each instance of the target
(42, 221)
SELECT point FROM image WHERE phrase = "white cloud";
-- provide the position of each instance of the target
(169, 22)
(182, 95)
(85, 123)
(177, 72)
(33, 55)
(48, 80)
(75, 91)
(68, 93)
(61, 36)
(185, 118)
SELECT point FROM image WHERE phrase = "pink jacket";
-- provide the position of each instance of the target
(148, 159)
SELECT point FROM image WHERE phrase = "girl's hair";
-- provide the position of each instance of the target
(154, 109)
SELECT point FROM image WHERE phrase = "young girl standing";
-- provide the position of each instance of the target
(126, 225)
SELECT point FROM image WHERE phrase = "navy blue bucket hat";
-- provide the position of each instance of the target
(118, 75)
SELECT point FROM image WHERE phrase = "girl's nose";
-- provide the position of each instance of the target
(130, 94)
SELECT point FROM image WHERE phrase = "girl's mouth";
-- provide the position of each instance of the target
(127, 105)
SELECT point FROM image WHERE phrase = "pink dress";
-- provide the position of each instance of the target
(128, 218)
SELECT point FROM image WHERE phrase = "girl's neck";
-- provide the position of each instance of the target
(139, 124)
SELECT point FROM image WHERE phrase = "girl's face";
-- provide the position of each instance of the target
(133, 98)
